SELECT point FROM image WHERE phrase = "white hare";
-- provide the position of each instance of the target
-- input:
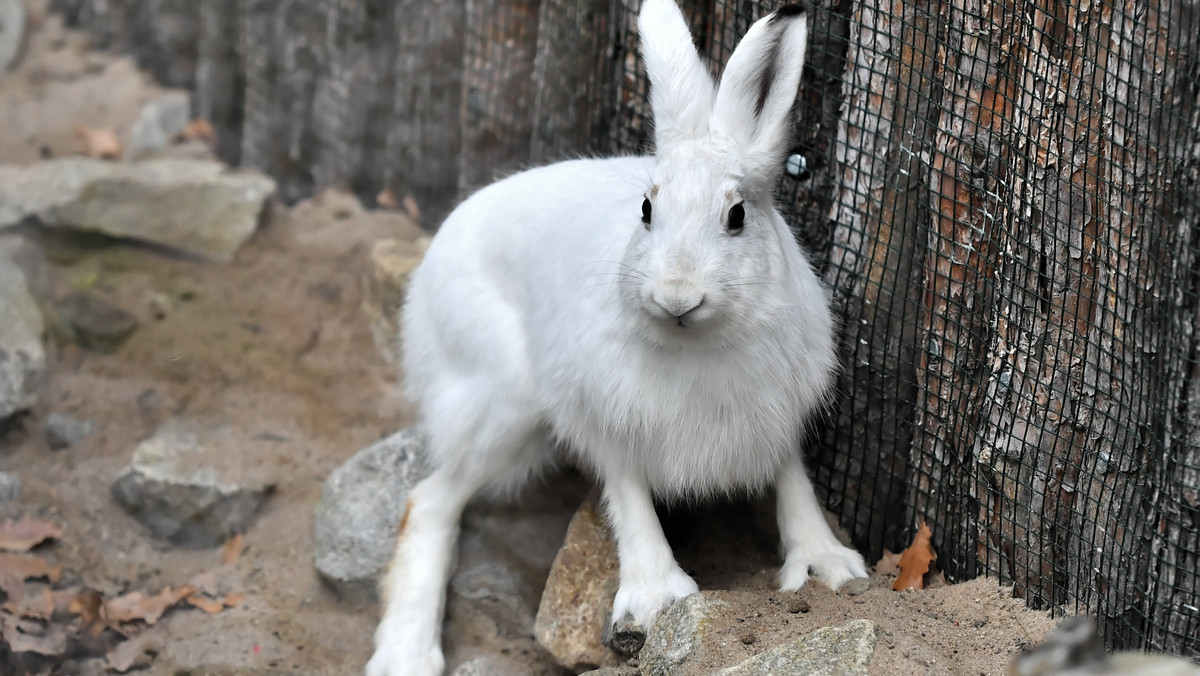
(653, 315)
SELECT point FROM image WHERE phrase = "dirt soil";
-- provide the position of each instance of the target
(275, 344)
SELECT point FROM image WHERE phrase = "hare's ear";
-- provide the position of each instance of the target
(681, 90)
(754, 101)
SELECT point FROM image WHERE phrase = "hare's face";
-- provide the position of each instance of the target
(708, 251)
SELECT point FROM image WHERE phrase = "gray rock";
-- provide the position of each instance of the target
(678, 635)
(856, 587)
(360, 509)
(93, 323)
(198, 207)
(611, 671)
(62, 430)
(184, 485)
(160, 120)
(194, 206)
(488, 580)
(27, 190)
(12, 32)
(480, 666)
(22, 355)
(832, 651)
(10, 488)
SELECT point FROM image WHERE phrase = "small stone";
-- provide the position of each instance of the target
(360, 509)
(160, 121)
(856, 587)
(22, 355)
(93, 323)
(193, 485)
(480, 666)
(678, 635)
(488, 580)
(612, 671)
(10, 488)
(62, 430)
(832, 651)
(798, 605)
(12, 32)
(747, 637)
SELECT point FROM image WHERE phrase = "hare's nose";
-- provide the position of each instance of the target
(677, 305)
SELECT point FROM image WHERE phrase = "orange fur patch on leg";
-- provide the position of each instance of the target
(404, 519)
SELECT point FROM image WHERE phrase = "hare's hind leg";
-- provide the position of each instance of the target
(408, 641)
(808, 542)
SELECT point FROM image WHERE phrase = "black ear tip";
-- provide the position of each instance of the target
(788, 12)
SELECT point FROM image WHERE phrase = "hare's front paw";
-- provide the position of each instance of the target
(834, 565)
(644, 598)
(396, 656)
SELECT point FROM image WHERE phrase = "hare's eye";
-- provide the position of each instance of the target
(646, 212)
(737, 217)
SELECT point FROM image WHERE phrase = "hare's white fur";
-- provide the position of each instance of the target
(679, 359)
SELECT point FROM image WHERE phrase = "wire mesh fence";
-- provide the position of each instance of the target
(1003, 195)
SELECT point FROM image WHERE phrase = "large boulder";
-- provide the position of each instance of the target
(360, 509)
(198, 207)
(22, 355)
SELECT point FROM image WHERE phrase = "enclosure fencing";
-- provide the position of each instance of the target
(1003, 195)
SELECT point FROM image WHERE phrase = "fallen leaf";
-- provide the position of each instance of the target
(387, 199)
(99, 142)
(28, 567)
(889, 564)
(32, 636)
(136, 606)
(198, 129)
(87, 605)
(135, 653)
(25, 534)
(206, 583)
(234, 600)
(232, 551)
(410, 207)
(38, 606)
(914, 562)
(210, 606)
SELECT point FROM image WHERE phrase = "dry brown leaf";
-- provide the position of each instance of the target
(25, 534)
(914, 562)
(136, 606)
(99, 142)
(38, 606)
(135, 653)
(198, 129)
(889, 564)
(234, 600)
(210, 606)
(410, 207)
(386, 199)
(206, 583)
(32, 636)
(87, 605)
(232, 551)
(28, 567)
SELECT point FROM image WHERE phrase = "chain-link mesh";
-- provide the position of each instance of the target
(1004, 198)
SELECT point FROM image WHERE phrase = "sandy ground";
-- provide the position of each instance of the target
(275, 343)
